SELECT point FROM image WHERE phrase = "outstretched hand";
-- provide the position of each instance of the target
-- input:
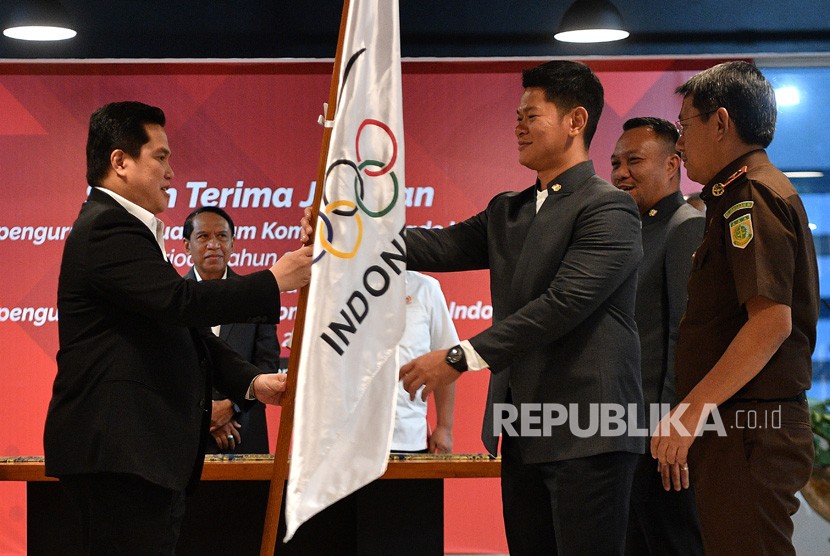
(430, 371)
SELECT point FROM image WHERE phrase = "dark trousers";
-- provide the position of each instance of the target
(661, 522)
(569, 508)
(746, 482)
(124, 514)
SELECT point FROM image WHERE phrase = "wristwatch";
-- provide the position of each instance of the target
(456, 359)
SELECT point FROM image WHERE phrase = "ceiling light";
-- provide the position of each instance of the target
(591, 21)
(804, 174)
(787, 96)
(38, 20)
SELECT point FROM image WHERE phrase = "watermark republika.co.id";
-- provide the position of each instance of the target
(612, 419)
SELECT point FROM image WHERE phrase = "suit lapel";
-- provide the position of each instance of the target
(537, 228)
(521, 227)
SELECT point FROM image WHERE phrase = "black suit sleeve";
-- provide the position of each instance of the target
(462, 246)
(137, 279)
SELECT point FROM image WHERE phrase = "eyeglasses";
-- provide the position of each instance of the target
(681, 127)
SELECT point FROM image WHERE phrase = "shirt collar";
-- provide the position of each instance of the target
(155, 225)
(199, 276)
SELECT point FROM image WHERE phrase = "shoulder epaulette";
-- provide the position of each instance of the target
(718, 188)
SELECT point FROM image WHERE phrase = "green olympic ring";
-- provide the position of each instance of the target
(359, 201)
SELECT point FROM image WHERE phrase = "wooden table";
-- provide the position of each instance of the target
(402, 514)
(260, 467)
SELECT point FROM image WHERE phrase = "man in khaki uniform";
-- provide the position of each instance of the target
(745, 343)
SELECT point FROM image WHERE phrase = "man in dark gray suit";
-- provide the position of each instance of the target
(208, 234)
(646, 165)
(563, 348)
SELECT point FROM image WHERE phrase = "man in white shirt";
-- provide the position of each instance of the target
(428, 327)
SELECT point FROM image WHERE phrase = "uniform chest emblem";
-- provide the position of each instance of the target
(740, 230)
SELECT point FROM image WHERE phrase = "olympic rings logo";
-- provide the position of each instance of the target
(353, 208)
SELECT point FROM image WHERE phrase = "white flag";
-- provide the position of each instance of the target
(348, 370)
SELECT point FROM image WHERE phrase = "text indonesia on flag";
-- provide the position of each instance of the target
(348, 368)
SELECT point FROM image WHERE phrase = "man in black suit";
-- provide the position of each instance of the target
(563, 347)
(646, 165)
(208, 234)
(127, 423)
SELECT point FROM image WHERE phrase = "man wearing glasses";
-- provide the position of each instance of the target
(746, 339)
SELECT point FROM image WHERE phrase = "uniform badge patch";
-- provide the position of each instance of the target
(738, 206)
(740, 230)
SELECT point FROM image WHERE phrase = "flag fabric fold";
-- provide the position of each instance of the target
(355, 315)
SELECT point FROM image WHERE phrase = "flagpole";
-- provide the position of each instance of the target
(280, 471)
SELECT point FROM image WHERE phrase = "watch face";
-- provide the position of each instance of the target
(455, 359)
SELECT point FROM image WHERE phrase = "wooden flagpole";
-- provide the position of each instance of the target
(280, 471)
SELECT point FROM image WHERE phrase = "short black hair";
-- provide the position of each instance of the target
(118, 125)
(746, 94)
(568, 85)
(663, 129)
(187, 229)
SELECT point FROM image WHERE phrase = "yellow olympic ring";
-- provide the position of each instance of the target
(331, 207)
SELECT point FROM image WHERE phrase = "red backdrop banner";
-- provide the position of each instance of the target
(245, 137)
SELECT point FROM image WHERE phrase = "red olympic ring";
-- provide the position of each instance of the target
(384, 127)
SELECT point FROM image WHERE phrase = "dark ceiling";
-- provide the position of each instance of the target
(443, 28)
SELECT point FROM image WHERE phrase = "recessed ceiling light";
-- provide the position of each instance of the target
(39, 33)
(37, 20)
(806, 174)
(591, 35)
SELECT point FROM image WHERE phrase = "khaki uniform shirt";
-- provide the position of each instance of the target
(757, 242)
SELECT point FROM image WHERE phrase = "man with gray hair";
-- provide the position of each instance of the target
(744, 346)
